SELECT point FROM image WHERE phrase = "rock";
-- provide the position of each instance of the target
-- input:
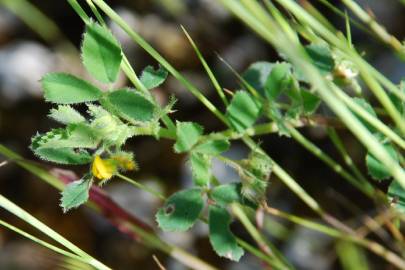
(22, 65)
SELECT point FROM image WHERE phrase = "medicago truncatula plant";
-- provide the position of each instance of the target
(281, 95)
(113, 116)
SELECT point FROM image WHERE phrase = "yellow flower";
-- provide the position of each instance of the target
(103, 169)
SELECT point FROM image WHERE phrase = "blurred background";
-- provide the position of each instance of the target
(31, 46)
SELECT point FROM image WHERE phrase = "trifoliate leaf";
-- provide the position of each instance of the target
(376, 169)
(65, 114)
(130, 105)
(212, 147)
(222, 239)
(200, 168)
(396, 194)
(321, 57)
(243, 111)
(67, 89)
(278, 80)
(256, 75)
(152, 78)
(101, 53)
(75, 194)
(188, 134)
(224, 195)
(181, 210)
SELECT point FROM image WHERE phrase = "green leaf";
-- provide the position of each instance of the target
(212, 147)
(256, 75)
(64, 155)
(152, 78)
(130, 105)
(201, 168)
(181, 210)
(376, 169)
(68, 156)
(74, 136)
(224, 195)
(67, 89)
(188, 134)
(310, 102)
(243, 111)
(65, 114)
(75, 194)
(278, 80)
(101, 53)
(222, 239)
(396, 194)
(321, 57)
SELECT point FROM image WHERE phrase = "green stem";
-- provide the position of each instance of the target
(363, 186)
(371, 119)
(43, 243)
(22, 214)
(333, 135)
(372, 246)
(375, 27)
(211, 75)
(96, 13)
(142, 187)
(79, 11)
(261, 242)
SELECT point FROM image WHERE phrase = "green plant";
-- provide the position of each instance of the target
(326, 71)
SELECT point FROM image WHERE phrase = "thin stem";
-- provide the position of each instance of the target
(333, 135)
(22, 214)
(363, 186)
(379, 30)
(79, 11)
(142, 187)
(43, 243)
(340, 13)
(96, 13)
(287, 179)
(211, 75)
(372, 246)
(262, 243)
(371, 119)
